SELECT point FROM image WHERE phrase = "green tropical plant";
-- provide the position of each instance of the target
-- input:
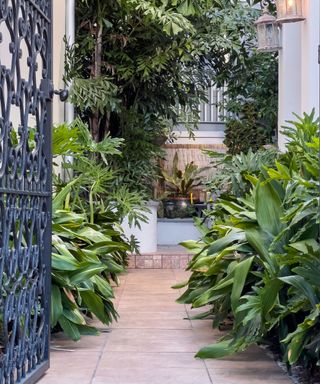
(250, 79)
(258, 263)
(135, 62)
(232, 171)
(84, 263)
(89, 247)
(181, 182)
(99, 185)
(138, 167)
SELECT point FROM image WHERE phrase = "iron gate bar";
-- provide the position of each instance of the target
(16, 192)
(25, 190)
(40, 11)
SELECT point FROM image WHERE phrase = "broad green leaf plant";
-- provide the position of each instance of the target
(259, 262)
(181, 182)
(89, 247)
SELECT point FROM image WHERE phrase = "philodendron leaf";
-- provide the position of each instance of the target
(59, 199)
(56, 305)
(86, 272)
(180, 285)
(227, 240)
(95, 305)
(69, 328)
(74, 315)
(268, 208)
(240, 276)
(303, 286)
(215, 351)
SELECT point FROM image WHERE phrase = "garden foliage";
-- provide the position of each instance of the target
(259, 262)
(134, 62)
(250, 79)
(181, 182)
(89, 247)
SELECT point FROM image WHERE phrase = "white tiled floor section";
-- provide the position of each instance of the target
(153, 344)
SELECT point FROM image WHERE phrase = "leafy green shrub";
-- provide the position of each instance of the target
(250, 79)
(135, 62)
(246, 133)
(84, 261)
(259, 263)
(89, 247)
(231, 172)
(138, 166)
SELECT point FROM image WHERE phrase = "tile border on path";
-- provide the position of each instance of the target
(164, 258)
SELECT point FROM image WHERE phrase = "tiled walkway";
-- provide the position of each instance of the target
(153, 344)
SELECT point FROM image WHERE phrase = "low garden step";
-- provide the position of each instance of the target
(166, 257)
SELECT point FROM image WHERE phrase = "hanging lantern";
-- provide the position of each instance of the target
(289, 11)
(268, 32)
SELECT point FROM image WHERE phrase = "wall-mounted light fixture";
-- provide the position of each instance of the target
(268, 32)
(289, 11)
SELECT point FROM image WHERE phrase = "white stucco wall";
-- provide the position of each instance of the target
(289, 76)
(59, 31)
(200, 137)
(298, 67)
(310, 39)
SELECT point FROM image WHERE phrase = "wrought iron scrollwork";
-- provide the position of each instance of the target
(25, 189)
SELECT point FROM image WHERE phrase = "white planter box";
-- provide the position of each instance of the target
(174, 231)
(147, 236)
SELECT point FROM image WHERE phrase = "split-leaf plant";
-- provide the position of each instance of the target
(89, 247)
(259, 263)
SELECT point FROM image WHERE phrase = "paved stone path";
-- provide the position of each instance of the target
(153, 344)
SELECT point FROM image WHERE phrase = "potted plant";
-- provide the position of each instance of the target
(179, 185)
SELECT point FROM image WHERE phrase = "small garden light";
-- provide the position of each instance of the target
(268, 32)
(289, 11)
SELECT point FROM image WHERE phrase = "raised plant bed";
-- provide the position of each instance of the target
(175, 231)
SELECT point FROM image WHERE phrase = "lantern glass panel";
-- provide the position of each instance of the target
(268, 37)
(261, 35)
(289, 10)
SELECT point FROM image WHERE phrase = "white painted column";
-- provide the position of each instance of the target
(58, 49)
(58, 32)
(70, 35)
(310, 81)
(289, 77)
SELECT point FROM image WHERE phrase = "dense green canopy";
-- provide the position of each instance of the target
(135, 61)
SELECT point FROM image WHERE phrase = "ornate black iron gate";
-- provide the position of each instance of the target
(25, 189)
